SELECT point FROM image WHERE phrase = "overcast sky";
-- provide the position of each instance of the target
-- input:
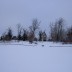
(13, 12)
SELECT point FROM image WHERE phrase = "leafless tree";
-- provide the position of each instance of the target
(7, 36)
(57, 30)
(69, 35)
(34, 27)
(19, 31)
(31, 37)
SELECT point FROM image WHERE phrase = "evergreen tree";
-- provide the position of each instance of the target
(24, 37)
(40, 35)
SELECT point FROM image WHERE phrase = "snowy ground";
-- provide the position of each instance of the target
(41, 57)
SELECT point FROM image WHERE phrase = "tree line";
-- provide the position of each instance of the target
(57, 33)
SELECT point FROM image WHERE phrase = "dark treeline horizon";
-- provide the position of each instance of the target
(57, 31)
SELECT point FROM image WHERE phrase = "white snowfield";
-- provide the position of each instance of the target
(41, 57)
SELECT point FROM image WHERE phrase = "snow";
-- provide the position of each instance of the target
(41, 57)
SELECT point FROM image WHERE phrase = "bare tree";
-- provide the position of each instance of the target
(7, 36)
(69, 35)
(57, 30)
(19, 31)
(34, 27)
(31, 37)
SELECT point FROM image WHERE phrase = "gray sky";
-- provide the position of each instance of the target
(13, 12)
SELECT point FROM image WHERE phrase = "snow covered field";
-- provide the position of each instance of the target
(41, 57)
